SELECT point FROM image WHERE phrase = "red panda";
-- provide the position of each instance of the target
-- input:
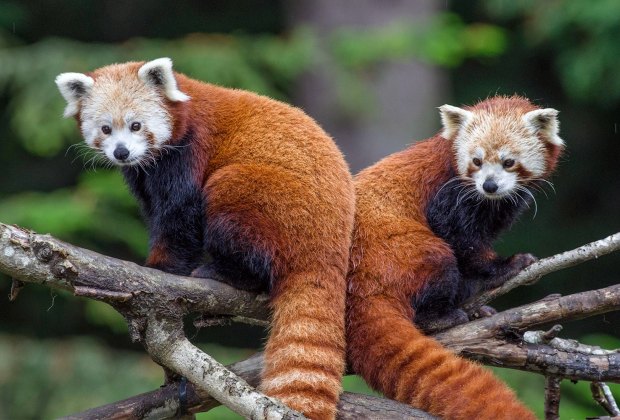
(251, 181)
(425, 221)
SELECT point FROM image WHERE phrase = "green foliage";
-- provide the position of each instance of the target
(443, 40)
(581, 38)
(52, 378)
(99, 313)
(98, 202)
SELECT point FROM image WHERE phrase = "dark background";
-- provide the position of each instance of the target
(372, 73)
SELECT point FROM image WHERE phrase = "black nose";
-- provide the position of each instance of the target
(489, 186)
(121, 153)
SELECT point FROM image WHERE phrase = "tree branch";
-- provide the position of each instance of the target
(602, 395)
(534, 272)
(168, 346)
(42, 259)
(152, 302)
(552, 397)
(551, 309)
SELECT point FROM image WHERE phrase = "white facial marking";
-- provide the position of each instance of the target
(133, 142)
(506, 181)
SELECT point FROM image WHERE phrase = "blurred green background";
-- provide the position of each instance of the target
(372, 73)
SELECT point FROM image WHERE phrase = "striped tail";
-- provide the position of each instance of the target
(396, 358)
(304, 356)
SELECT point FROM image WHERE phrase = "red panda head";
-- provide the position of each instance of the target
(502, 143)
(122, 108)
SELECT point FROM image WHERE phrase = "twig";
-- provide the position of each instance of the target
(602, 395)
(16, 287)
(552, 397)
(572, 364)
(531, 274)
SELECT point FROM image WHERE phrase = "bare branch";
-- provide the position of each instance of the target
(497, 340)
(169, 347)
(552, 397)
(152, 302)
(548, 265)
(576, 306)
(547, 359)
(602, 395)
(42, 259)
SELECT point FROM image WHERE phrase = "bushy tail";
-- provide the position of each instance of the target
(394, 357)
(304, 356)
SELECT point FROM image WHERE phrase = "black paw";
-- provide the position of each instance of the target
(510, 268)
(519, 261)
(484, 311)
(206, 271)
(233, 276)
(434, 324)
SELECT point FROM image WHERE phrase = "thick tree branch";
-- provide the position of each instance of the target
(42, 259)
(548, 265)
(152, 302)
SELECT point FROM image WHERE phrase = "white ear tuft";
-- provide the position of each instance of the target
(545, 121)
(73, 87)
(453, 119)
(158, 73)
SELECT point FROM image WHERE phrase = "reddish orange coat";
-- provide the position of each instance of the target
(394, 255)
(278, 188)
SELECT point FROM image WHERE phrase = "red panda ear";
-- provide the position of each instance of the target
(73, 87)
(158, 73)
(453, 119)
(545, 121)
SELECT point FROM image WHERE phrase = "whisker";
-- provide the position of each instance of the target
(451, 180)
(521, 188)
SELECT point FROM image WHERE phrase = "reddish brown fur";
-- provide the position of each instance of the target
(304, 187)
(394, 254)
(270, 171)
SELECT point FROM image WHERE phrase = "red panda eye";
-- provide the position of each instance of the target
(106, 129)
(477, 162)
(136, 126)
(509, 163)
